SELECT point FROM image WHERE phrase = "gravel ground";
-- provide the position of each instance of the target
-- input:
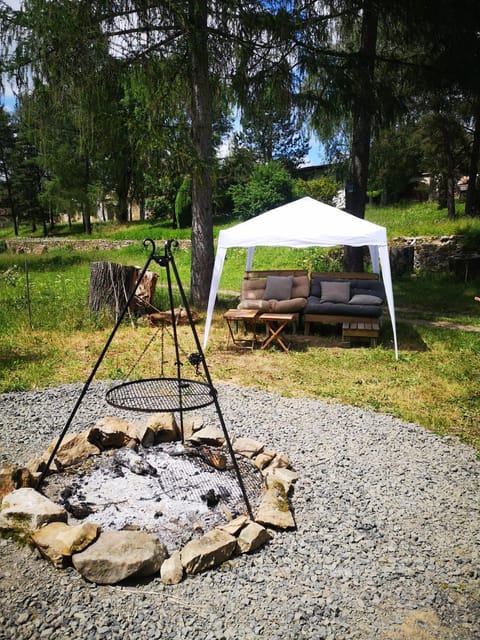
(386, 546)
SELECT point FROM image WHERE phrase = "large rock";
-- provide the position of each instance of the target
(208, 435)
(234, 526)
(279, 461)
(171, 571)
(13, 477)
(247, 447)
(206, 552)
(252, 537)
(164, 427)
(274, 509)
(25, 509)
(191, 424)
(111, 432)
(74, 449)
(285, 476)
(264, 458)
(118, 555)
(57, 541)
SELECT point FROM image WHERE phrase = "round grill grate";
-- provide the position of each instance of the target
(161, 395)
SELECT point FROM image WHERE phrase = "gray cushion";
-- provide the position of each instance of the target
(335, 291)
(278, 288)
(301, 287)
(365, 299)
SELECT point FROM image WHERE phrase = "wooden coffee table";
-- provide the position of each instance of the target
(275, 324)
(249, 318)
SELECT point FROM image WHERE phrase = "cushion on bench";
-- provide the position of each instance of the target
(278, 288)
(316, 306)
(335, 291)
(275, 294)
(341, 297)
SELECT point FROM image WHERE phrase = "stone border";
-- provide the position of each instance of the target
(112, 556)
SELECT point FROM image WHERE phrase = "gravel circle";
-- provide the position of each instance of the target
(387, 544)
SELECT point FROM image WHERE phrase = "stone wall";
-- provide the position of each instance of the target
(439, 254)
(42, 245)
(36, 245)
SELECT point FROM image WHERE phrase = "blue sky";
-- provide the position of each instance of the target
(8, 102)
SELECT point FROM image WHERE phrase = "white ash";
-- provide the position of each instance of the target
(157, 489)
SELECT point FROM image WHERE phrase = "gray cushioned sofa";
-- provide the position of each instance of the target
(343, 297)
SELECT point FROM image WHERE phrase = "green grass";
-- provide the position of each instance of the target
(48, 336)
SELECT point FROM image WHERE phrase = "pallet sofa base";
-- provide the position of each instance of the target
(315, 318)
(361, 331)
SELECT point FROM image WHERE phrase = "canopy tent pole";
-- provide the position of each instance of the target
(387, 283)
(250, 254)
(217, 272)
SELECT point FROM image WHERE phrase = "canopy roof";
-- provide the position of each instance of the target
(304, 223)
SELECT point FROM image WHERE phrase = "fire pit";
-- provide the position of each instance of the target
(172, 491)
(120, 491)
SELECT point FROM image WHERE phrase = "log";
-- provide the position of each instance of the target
(112, 284)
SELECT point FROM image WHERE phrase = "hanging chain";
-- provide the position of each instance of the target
(194, 359)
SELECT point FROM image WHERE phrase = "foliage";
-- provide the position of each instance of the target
(271, 136)
(270, 185)
(323, 189)
(395, 158)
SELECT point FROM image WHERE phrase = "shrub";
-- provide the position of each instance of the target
(323, 189)
(269, 186)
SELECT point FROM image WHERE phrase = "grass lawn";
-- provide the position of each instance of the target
(48, 336)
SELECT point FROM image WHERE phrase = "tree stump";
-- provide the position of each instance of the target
(112, 284)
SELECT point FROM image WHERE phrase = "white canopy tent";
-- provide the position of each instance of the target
(304, 223)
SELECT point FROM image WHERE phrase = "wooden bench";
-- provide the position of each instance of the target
(309, 318)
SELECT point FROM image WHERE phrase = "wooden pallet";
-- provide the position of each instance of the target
(370, 330)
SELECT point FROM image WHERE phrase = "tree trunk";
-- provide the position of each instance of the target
(111, 285)
(141, 208)
(86, 217)
(362, 115)
(442, 191)
(86, 220)
(450, 196)
(472, 205)
(122, 194)
(10, 199)
(201, 106)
